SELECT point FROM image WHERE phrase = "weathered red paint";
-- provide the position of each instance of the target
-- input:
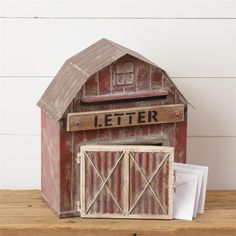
(104, 81)
(118, 182)
(156, 78)
(104, 134)
(152, 203)
(60, 172)
(90, 136)
(139, 181)
(146, 167)
(171, 98)
(50, 181)
(181, 142)
(91, 86)
(111, 185)
(143, 77)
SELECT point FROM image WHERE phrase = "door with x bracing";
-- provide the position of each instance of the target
(119, 181)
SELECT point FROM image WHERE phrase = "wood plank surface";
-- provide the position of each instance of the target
(23, 213)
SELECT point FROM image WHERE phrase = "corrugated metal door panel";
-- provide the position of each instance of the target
(126, 181)
(149, 183)
(103, 182)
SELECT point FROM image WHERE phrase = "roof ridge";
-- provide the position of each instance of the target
(78, 68)
(116, 45)
(130, 51)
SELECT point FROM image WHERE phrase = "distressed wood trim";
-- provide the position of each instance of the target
(82, 182)
(171, 183)
(126, 183)
(143, 148)
(126, 155)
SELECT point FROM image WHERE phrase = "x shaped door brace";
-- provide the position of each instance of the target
(148, 181)
(104, 182)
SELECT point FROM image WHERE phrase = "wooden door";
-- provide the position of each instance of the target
(119, 181)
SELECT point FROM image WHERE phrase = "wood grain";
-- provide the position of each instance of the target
(23, 213)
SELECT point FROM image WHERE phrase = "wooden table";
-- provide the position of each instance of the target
(23, 213)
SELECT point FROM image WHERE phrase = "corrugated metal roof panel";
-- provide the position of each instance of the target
(76, 70)
(62, 90)
(133, 53)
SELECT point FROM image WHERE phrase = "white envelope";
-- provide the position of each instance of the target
(199, 173)
(184, 196)
(201, 203)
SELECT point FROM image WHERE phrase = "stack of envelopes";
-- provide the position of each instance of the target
(190, 190)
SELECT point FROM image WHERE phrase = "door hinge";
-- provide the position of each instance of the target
(78, 158)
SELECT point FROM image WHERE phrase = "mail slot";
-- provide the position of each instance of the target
(109, 95)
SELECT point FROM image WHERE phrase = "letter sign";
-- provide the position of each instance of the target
(125, 117)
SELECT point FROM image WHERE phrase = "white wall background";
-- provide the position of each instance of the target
(193, 40)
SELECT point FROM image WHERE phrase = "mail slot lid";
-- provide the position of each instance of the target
(125, 117)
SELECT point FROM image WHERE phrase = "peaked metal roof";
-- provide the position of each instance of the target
(77, 69)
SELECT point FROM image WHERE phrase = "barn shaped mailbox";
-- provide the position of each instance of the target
(112, 122)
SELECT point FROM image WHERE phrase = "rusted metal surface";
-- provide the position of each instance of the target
(125, 117)
(76, 70)
(50, 162)
(181, 141)
(120, 97)
(126, 181)
(60, 172)
(102, 164)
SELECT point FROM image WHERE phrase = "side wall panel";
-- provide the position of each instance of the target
(50, 162)
(181, 141)
(66, 173)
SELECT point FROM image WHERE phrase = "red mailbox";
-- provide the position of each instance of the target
(103, 96)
